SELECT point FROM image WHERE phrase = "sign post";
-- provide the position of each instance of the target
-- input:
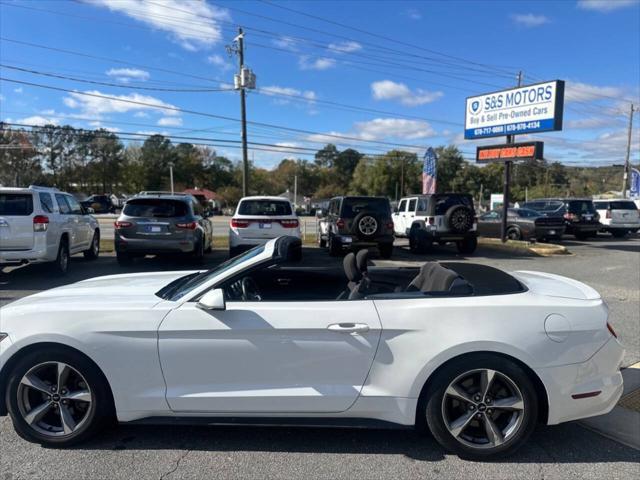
(529, 109)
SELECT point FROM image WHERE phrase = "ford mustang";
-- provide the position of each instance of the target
(476, 355)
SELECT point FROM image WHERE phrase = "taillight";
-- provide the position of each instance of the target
(611, 330)
(120, 225)
(571, 217)
(432, 220)
(292, 223)
(187, 225)
(608, 214)
(390, 225)
(40, 223)
(340, 223)
(236, 223)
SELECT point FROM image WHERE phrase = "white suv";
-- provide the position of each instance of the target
(618, 217)
(40, 225)
(259, 219)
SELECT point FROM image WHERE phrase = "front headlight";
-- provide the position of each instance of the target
(3, 336)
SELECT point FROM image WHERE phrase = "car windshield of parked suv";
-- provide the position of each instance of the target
(445, 202)
(581, 206)
(622, 205)
(264, 207)
(351, 207)
(18, 204)
(155, 207)
(183, 285)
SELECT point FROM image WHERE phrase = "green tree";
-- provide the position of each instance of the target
(19, 165)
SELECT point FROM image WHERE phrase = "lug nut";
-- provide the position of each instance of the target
(489, 412)
(478, 415)
(472, 407)
(488, 400)
(477, 398)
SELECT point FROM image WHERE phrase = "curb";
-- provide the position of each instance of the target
(539, 249)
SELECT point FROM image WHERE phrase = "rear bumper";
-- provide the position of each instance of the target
(238, 238)
(38, 254)
(621, 226)
(583, 227)
(549, 231)
(154, 246)
(353, 241)
(435, 236)
(601, 373)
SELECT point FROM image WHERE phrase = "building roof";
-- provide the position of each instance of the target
(208, 194)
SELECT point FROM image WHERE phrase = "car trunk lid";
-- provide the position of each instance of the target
(551, 285)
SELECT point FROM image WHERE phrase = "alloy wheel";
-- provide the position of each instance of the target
(368, 225)
(54, 399)
(483, 408)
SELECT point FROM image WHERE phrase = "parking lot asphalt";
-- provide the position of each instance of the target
(127, 451)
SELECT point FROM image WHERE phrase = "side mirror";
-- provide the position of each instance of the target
(212, 300)
(321, 213)
(90, 210)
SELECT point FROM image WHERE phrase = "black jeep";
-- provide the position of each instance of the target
(356, 222)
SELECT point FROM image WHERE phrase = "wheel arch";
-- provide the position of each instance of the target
(541, 390)
(13, 360)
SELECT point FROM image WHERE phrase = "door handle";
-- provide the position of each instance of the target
(348, 327)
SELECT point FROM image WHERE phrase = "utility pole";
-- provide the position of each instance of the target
(402, 177)
(625, 176)
(171, 176)
(295, 191)
(507, 181)
(242, 80)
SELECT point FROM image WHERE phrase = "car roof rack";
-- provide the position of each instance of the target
(161, 192)
(46, 189)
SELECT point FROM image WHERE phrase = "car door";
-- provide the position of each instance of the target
(398, 218)
(68, 221)
(82, 223)
(489, 224)
(411, 213)
(269, 357)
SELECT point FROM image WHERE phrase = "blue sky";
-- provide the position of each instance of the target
(412, 62)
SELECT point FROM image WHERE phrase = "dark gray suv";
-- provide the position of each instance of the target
(158, 223)
(357, 222)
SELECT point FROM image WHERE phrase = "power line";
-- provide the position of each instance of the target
(211, 115)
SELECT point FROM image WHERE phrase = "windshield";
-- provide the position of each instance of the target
(155, 207)
(527, 213)
(622, 205)
(581, 206)
(183, 285)
(264, 207)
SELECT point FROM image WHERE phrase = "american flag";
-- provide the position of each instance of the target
(429, 171)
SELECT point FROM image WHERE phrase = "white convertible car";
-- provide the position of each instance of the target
(476, 355)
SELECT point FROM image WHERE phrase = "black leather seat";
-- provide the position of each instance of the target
(433, 278)
(358, 279)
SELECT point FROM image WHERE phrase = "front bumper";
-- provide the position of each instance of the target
(154, 246)
(601, 373)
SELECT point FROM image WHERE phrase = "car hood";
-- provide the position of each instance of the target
(112, 291)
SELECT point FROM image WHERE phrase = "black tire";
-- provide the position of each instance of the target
(371, 219)
(581, 235)
(435, 408)
(61, 265)
(619, 233)
(94, 416)
(459, 219)
(514, 233)
(467, 246)
(94, 249)
(386, 250)
(334, 247)
(124, 259)
(418, 242)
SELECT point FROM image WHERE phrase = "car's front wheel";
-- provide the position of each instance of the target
(94, 249)
(481, 406)
(57, 397)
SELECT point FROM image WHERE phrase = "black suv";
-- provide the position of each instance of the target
(355, 222)
(437, 218)
(580, 216)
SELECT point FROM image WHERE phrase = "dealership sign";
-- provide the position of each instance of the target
(530, 109)
(510, 152)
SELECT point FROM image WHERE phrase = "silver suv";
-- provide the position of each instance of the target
(155, 223)
(39, 224)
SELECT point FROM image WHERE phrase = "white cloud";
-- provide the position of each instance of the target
(345, 47)
(18, 90)
(382, 129)
(170, 122)
(588, 123)
(605, 5)
(97, 106)
(141, 114)
(584, 92)
(389, 90)
(321, 63)
(219, 61)
(125, 75)
(193, 25)
(38, 120)
(275, 90)
(529, 20)
(285, 42)
(100, 126)
(413, 14)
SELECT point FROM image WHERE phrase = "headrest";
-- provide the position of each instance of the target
(351, 268)
(361, 260)
(433, 277)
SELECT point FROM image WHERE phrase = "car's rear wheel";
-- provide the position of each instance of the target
(94, 249)
(514, 234)
(61, 264)
(57, 397)
(418, 242)
(481, 407)
(198, 252)
(468, 245)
